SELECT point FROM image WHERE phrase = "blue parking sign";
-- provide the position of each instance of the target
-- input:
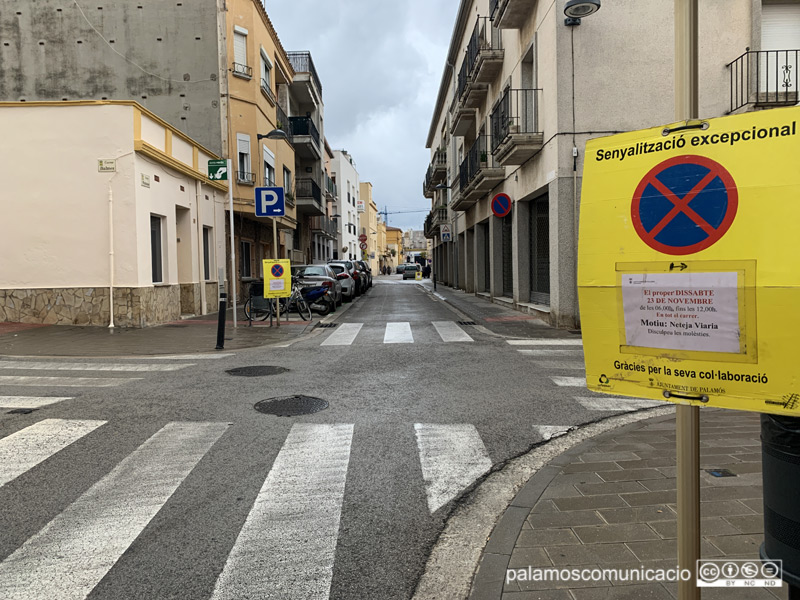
(270, 202)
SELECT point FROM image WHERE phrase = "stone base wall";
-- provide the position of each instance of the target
(190, 299)
(212, 297)
(133, 307)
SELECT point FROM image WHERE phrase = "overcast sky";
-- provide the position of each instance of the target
(380, 64)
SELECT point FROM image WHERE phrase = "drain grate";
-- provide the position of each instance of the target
(21, 411)
(326, 325)
(256, 371)
(466, 323)
(291, 406)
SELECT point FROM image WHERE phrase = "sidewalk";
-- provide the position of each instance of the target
(189, 336)
(610, 501)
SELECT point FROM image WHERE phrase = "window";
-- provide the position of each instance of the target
(244, 174)
(156, 256)
(266, 70)
(287, 180)
(240, 46)
(245, 253)
(207, 238)
(269, 167)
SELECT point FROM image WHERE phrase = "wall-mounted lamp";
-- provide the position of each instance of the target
(575, 9)
(275, 134)
(441, 186)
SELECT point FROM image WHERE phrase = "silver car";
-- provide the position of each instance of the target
(348, 283)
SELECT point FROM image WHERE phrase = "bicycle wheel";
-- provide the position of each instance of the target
(262, 314)
(247, 309)
(302, 309)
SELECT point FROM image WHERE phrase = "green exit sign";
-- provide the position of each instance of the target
(218, 170)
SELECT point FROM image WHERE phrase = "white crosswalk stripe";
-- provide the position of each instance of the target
(65, 381)
(398, 333)
(30, 401)
(452, 457)
(23, 450)
(287, 546)
(344, 335)
(73, 552)
(574, 365)
(569, 381)
(29, 365)
(616, 403)
(553, 353)
(451, 332)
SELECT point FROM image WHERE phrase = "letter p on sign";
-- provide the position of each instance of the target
(270, 202)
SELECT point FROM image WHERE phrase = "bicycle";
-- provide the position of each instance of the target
(258, 308)
(296, 302)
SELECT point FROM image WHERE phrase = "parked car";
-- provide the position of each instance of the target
(368, 270)
(354, 271)
(410, 271)
(348, 283)
(400, 268)
(314, 275)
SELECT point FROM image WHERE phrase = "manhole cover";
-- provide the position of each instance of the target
(256, 371)
(21, 411)
(466, 322)
(327, 325)
(291, 406)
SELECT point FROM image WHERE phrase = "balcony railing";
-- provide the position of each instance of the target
(764, 78)
(245, 177)
(437, 170)
(463, 75)
(478, 157)
(493, 8)
(241, 70)
(283, 121)
(330, 186)
(517, 112)
(302, 63)
(484, 37)
(307, 188)
(266, 90)
(301, 126)
(325, 226)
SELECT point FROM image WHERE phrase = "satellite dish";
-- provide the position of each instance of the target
(345, 248)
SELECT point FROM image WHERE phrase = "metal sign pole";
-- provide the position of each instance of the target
(275, 254)
(233, 251)
(687, 417)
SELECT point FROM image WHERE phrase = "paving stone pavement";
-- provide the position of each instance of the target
(610, 502)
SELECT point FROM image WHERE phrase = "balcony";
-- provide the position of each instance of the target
(282, 121)
(435, 218)
(764, 79)
(308, 197)
(305, 137)
(436, 173)
(485, 52)
(509, 14)
(516, 134)
(245, 178)
(243, 71)
(267, 91)
(330, 189)
(302, 63)
(479, 173)
(306, 86)
(324, 226)
(427, 229)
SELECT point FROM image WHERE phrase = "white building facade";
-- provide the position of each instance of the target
(344, 173)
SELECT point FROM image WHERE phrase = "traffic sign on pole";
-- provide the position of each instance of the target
(363, 245)
(218, 169)
(686, 272)
(446, 233)
(501, 205)
(362, 237)
(277, 278)
(270, 202)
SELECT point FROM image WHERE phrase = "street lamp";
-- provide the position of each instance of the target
(575, 9)
(275, 134)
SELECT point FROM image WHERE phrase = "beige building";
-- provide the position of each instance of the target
(394, 246)
(109, 210)
(383, 250)
(368, 225)
(521, 93)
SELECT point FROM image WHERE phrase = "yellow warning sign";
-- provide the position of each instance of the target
(277, 278)
(688, 277)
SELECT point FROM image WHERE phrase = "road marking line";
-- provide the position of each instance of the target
(30, 401)
(569, 381)
(452, 458)
(398, 333)
(449, 331)
(29, 365)
(73, 552)
(287, 545)
(23, 450)
(343, 335)
(559, 364)
(552, 352)
(184, 357)
(439, 296)
(65, 381)
(616, 403)
(545, 342)
(548, 432)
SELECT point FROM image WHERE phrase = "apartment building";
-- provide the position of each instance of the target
(344, 173)
(368, 225)
(524, 87)
(324, 229)
(216, 71)
(394, 246)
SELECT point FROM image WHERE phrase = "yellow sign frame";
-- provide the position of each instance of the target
(277, 287)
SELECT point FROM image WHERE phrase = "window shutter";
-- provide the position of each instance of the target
(240, 48)
(780, 26)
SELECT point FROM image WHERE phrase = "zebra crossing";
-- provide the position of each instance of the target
(400, 332)
(297, 509)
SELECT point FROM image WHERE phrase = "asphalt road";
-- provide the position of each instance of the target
(171, 485)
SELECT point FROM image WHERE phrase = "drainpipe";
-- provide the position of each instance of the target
(110, 256)
(200, 256)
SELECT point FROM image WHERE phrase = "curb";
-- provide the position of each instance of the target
(471, 554)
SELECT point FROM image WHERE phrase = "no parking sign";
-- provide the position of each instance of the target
(687, 279)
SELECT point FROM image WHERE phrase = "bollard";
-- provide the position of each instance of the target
(434, 282)
(780, 444)
(223, 309)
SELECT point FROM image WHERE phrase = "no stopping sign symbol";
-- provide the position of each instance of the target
(277, 271)
(684, 205)
(501, 205)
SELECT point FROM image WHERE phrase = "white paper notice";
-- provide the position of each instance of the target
(682, 311)
(277, 285)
